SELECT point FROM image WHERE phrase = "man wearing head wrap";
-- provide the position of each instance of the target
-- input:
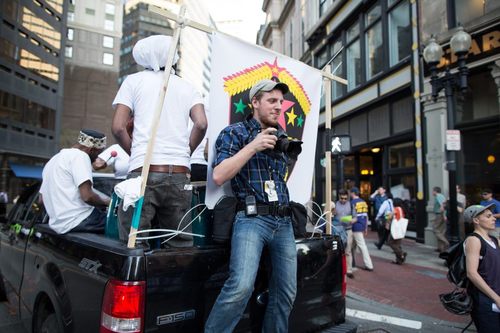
(67, 193)
(168, 194)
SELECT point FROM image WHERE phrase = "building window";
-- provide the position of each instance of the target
(399, 33)
(373, 42)
(90, 11)
(467, 10)
(110, 9)
(68, 52)
(70, 34)
(322, 58)
(323, 6)
(337, 68)
(71, 16)
(107, 42)
(109, 25)
(353, 57)
(107, 59)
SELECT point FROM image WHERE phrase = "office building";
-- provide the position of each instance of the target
(32, 35)
(92, 63)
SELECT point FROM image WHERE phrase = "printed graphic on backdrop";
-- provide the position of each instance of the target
(236, 67)
(296, 105)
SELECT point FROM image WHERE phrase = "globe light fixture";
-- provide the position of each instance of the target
(461, 41)
(433, 52)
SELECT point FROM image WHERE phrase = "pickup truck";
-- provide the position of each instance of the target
(83, 282)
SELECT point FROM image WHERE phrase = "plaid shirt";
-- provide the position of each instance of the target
(261, 167)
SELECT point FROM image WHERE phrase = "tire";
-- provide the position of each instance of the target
(50, 324)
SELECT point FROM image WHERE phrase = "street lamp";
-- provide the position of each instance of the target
(460, 44)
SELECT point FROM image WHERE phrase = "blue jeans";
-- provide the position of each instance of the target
(250, 235)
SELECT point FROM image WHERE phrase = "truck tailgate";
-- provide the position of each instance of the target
(182, 285)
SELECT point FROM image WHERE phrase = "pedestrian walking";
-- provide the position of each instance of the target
(395, 241)
(359, 229)
(483, 271)
(377, 198)
(383, 219)
(439, 222)
(461, 204)
(488, 199)
(343, 210)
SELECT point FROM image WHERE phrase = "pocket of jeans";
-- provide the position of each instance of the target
(180, 180)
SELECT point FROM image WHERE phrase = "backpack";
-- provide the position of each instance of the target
(455, 261)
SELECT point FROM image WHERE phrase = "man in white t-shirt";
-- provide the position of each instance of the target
(66, 191)
(199, 157)
(167, 195)
(117, 157)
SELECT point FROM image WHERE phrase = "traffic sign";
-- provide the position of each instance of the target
(453, 140)
(341, 144)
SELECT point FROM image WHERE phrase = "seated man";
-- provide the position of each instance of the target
(67, 193)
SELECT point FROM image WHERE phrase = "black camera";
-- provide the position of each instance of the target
(290, 147)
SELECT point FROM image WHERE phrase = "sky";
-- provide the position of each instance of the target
(240, 18)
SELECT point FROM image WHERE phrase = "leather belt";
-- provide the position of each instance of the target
(166, 169)
(263, 209)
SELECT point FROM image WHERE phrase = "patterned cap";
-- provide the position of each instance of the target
(92, 139)
(474, 210)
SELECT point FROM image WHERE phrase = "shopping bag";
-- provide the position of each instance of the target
(398, 228)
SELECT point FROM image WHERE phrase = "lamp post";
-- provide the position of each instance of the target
(460, 44)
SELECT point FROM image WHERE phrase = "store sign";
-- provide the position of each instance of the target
(483, 44)
(453, 140)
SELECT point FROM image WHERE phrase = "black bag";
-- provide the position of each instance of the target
(455, 261)
(457, 302)
(299, 219)
(223, 219)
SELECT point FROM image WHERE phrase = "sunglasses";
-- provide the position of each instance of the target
(342, 198)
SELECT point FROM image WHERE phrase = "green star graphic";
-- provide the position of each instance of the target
(240, 107)
(300, 121)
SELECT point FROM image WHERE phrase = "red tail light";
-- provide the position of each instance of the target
(123, 307)
(344, 272)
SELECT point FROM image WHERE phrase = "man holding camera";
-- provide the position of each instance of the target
(246, 155)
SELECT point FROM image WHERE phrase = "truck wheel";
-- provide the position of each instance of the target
(50, 325)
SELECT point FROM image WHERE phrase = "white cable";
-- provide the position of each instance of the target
(316, 225)
(169, 233)
(173, 233)
(188, 224)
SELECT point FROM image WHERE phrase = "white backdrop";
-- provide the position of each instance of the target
(236, 67)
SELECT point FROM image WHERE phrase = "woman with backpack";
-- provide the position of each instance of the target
(483, 271)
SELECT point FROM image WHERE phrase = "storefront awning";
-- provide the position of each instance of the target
(26, 171)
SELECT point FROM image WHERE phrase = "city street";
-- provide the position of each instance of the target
(405, 298)
(392, 298)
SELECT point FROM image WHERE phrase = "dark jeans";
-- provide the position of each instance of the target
(95, 222)
(485, 320)
(166, 200)
(382, 232)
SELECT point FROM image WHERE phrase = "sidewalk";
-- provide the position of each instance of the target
(414, 286)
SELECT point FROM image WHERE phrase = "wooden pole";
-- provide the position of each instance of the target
(328, 153)
(154, 129)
